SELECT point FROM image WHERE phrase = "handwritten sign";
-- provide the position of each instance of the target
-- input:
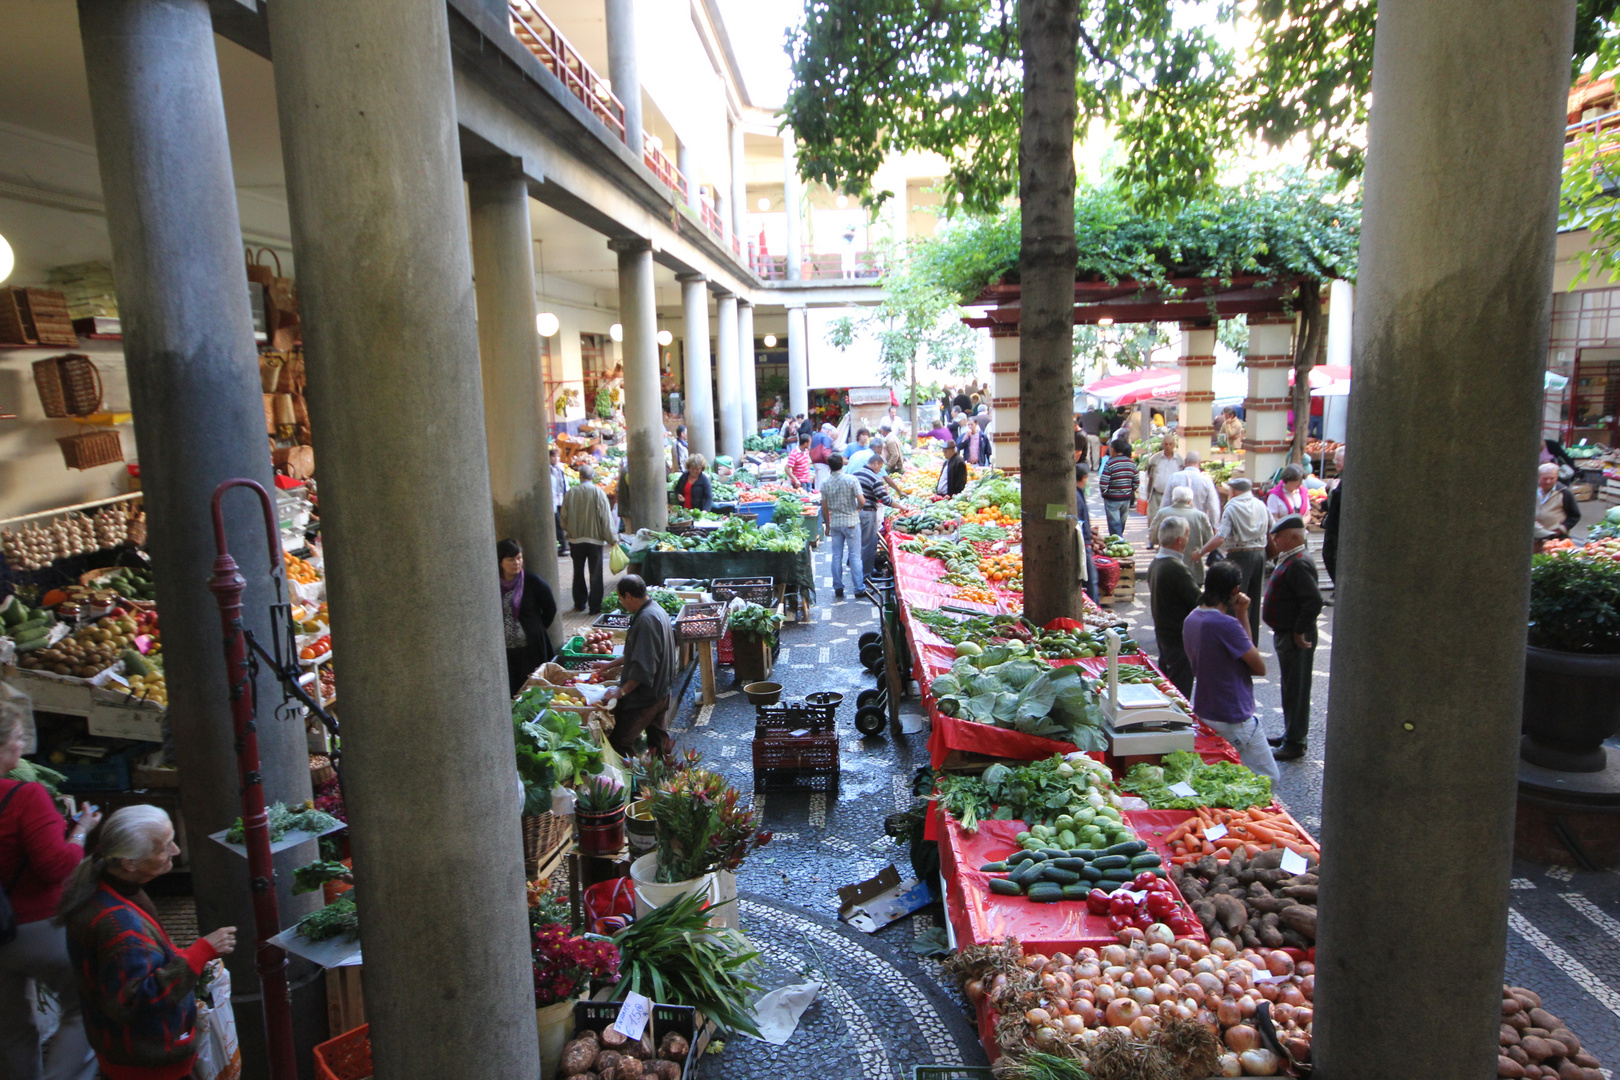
(1184, 789)
(1214, 832)
(1293, 862)
(1056, 511)
(633, 1016)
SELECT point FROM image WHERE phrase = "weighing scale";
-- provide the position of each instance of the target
(1138, 718)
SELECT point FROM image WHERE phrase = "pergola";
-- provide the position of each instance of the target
(1198, 304)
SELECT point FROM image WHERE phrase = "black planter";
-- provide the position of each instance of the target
(1571, 704)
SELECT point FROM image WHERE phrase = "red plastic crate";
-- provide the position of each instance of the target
(347, 1057)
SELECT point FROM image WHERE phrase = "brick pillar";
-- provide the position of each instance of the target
(1197, 365)
(1270, 357)
(1004, 397)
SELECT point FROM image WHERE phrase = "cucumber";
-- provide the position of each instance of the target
(1129, 847)
(1123, 876)
(1045, 893)
(993, 868)
(1002, 887)
(1026, 874)
(1146, 861)
(1019, 857)
(1083, 853)
(1056, 873)
(33, 633)
(1091, 873)
(1076, 865)
(1076, 892)
(1054, 853)
(1111, 862)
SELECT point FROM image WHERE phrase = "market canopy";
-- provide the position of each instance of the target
(1327, 380)
(1132, 386)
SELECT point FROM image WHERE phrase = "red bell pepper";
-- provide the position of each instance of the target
(1160, 904)
(1098, 902)
(1121, 905)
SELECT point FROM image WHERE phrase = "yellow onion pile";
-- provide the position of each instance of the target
(1148, 978)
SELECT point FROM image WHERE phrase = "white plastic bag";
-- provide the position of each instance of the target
(219, 1057)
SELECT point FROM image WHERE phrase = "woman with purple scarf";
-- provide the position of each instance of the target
(527, 610)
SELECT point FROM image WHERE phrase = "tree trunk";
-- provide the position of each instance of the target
(1049, 34)
(1309, 347)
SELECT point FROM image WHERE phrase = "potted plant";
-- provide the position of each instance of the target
(675, 956)
(646, 772)
(599, 816)
(699, 828)
(564, 966)
(753, 633)
(1572, 663)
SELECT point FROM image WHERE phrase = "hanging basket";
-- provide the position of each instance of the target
(88, 449)
(68, 385)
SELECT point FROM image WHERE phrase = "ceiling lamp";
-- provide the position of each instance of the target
(770, 341)
(842, 201)
(764, 204)
(546, 324)
(665, 337)
(7, 260)
(616, 332)
(1105, 321)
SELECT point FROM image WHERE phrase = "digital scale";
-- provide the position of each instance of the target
(1138, 718)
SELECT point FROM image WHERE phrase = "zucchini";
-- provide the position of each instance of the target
(1049, 872)
(1045, 893)
(993, 868)
(1111, 862)
(1129, 847)
(1123, 876)
(1002, 887)
(1146, 861)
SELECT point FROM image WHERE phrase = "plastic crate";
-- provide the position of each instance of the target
(756, 590)
(111, 774)
(782, 758)
(613, 620)
(760, 512)
(684, 1020)
(700, 622)
(951, 1072)
(347, 1057)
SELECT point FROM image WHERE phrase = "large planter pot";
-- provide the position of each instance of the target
(639, 829)
(1571, 704)
(652, 894)
(555, 1023)
(600, 834)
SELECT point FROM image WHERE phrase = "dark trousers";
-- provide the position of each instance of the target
(587, 555)
(1294, 671)
(520, 664)
(562, 537)
(630, 723)
(1253, 564)
(1174, 663)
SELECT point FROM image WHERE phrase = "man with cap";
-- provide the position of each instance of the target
(952, 474)
(1241, 536)
(1292, 603)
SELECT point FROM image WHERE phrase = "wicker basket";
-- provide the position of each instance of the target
(14, 325)
(542, 835)
(47, 314)
(88, 449)
(68, 385)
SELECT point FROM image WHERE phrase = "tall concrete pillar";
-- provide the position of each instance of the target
(643, 412)
(1004, 397)
(199, 419)
(699, 367)
(790, 202)
(748, 387)
(374, 184)
(730, 377)
(1197, 386)
(1425, 712)
(798, 362)
(509, 359)
(739, 185)
(1265, 427)
(624, 68)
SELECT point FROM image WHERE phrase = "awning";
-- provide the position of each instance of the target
(1133, 386)
(1327, 380)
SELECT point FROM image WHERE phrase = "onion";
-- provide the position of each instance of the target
(1280, 963)
(1115, 973)
(1116, 955)
(1229, 1065)
(1291, 994)
(1088, 969)
(1087, 1012)
(1142, 995)
(1035, 962)
(1107, 992)
(1131, 935)
(1224, 947)
(1299, 1049)
(1227, 1012)
(974, 989)
(1307, 986)
(1061, 960)
(1282, 1012)
(998, 984)
(1160, 934)
(1203, 964)
(1121, 1012)
(1267, 991)
(1142, 977)
(1180, 977)
(1241, 1037)
(1258, 1063)
(1209, 982)
(1159, 952)
(1073, 1025)
(1038, 1017)
(1185, 960)
(1143, 1027)
(1151, 1010)
(1248, 1006)
(1304, 1016)
(1194, 992)
(1048, 1038)
(1304, 967)
(1049, 981)
(1163, 992)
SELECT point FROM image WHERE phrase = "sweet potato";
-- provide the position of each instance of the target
(1585, 1060)
(1305, 894)
(1572, 1044)
(1543, 1019)
(1300, 918)
(1267, 860)
(1231, 912)
(1517, 1053)
(1568, 1070)
(1508, 1069)
(579, 1055)
(1540, 1049)
(1520, 1020)
(1510, 1035)
(1510, 1005)
(1531, 999)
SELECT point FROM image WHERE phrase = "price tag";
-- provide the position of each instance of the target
(633, 1016)
(1184, 789)
(1056, 511)
(1293, 862)
(1261, 977)
(1214, 832)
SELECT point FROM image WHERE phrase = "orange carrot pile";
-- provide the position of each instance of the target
(1254, 830)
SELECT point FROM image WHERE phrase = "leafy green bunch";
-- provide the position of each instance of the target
(700, 826)
(1575, 603)
(283, 819)
(748, 618)
(1007, 687)
(1220, 783)
(673, 956)
(552, 749)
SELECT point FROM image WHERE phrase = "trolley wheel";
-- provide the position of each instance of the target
(872, 657)
(868, 697)
(871, 637)
(870, 721)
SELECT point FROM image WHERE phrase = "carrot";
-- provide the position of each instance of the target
(1252, 850)
(1265, 836)
(1180, 830)
(1228, 843)
(1299, 849)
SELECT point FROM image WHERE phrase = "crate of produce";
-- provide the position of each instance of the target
(68, 385)
(109, 774)
(88, 449)
(951, 1072)
(347, 1057)
(681, 1021)
(700, 622)
(756, 590)
(613, 620)
(574, 654)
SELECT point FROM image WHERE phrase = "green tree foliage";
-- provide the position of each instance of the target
(1128, 346)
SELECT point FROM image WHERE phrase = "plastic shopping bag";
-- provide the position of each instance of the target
(219, 1057)
(618, 560)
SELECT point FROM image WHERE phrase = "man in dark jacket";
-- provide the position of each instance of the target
(1331, 522)
(647, 671)
(1175, 595)
(953, 474)
(1291, 606)
(1082, 474)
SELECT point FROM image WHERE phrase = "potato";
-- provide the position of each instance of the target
(1543, 1019)
(1540, 1049)
(1520, 1020)
(1517, 1054)
(1509, 1069)
(1572, 1045)
(578, 1055)
(1510, 1035)
(1568, 1070)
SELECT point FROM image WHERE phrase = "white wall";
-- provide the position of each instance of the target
(677, 75)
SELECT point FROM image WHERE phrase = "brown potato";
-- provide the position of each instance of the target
(578, 1055)
(1508, 1069)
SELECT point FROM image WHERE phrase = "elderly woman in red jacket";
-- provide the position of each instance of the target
(38, 851)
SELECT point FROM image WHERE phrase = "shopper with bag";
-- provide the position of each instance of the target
(37, 853)
(136, 988)
(588, 523)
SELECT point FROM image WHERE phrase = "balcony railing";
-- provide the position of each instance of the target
(711, 220)
(867, 266)
(535, 31)
(661, 166)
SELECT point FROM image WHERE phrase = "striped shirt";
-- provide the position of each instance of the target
(1119, 478)
(841, 499)
(873, 490)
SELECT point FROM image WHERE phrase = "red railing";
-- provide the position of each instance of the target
(711, 220)
(736, 246)
(535, 31)
(661, 166)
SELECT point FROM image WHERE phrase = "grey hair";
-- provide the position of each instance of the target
(1181, 496)
(1191, 457)
(1291, 473)
(1173, 528)
(587, 473)
(16, 712)
(1546, 468)
(130, 833)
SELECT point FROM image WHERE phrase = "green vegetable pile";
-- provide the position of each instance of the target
(735, 534)
(337, 918)
(761, 622)
(1061, 797)
(1007, 687)
(310, 878)
(979, 628)
(764, 444)
(1117, 547)
(283, 820)
(788, 512)
(1047, 872)
(552, 748)
(935, 519)
(994, 489)
(721, 491)
(989, 533)
(1221, 784)
(1078, 644)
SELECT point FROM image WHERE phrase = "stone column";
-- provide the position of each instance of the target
(509, 358)
(739, 186)
(1004, 397)
(699, 365)
(1197, 386)
(730, 379)
(798, 362)
(683, 162)
(1270, 358)
(623, 67)
(748, 387)
(374, 185)
(643, 412)
(199, 419)
(790, 203)
(1452, 306)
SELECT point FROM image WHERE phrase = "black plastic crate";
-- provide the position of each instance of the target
(614, 620)
(756, 590)
(700, 622)
(682, 1019)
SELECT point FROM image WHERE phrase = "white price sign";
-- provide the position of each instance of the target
(1184, 789)
(633, 1016)
(1293, 862)
(1214, 832)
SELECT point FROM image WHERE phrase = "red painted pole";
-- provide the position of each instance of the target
(270, 960)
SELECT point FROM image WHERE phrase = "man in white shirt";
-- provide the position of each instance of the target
(1160, 466)
(1241, 536)
(559, 488)
(1196, 480)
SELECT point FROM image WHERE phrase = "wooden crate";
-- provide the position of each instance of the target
(345, 1004)
(1125, 590)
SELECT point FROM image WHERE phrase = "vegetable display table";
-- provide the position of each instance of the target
(791, 569)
